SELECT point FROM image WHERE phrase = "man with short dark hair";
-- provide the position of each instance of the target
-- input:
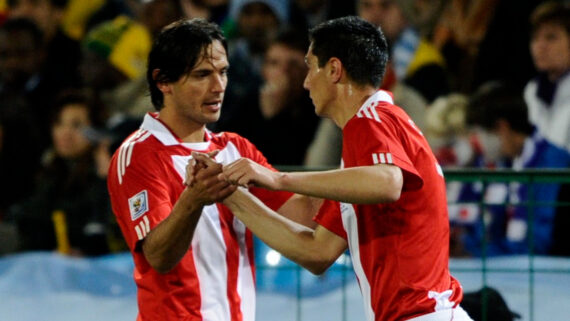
(387, 204)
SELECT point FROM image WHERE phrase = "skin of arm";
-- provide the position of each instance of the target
(373, 184)
(169, 241)
(314, 249)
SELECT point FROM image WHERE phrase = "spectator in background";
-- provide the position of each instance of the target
(502, 111)
(155, 14)
(62, 53)
(448, 134)
(216, 11)
(113, 66)
(266, 116)
(548, 94)
(21, 60)
(258, 22)
(69, 210)
(306, 14)
(414, 60)
(484, 40)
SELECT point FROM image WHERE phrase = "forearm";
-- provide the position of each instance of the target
(295, 241)
(169, 241)
(358, 185)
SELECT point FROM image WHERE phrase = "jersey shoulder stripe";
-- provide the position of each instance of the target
(126, 151)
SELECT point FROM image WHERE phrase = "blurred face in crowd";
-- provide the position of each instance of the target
(158, 13)
(198, 96)
(550, 49)
(510, 142)
(385, 14)
(258, 24)
(371, 10)
(68, 139)
(20, 58)
(284, 65)
(42, 12)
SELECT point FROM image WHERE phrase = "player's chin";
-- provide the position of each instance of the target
(211, 117)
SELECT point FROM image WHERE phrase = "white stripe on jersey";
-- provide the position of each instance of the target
(146, 224)
(210, 262)
(350, 224)
(369, 112)
(245, 281)
(139, 233)
(382, 158)
(143, 228)
(126, 152)
(211, 265)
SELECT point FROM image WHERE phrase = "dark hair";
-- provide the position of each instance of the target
(76, 97)
(176, 51)
(494, 101)
(26, 25)
(359, 45)
(56, 3)
(551, 12)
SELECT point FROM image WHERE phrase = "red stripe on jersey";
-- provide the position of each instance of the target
(232, 259)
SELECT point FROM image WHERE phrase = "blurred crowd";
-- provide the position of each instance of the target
(486, 81)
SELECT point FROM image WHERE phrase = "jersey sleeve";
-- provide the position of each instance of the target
(329, 217)
(273, 199)
(139, 197)
(371, 141)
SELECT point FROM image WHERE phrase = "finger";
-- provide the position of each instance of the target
(229, 190)
(204, 158)
(213, 153)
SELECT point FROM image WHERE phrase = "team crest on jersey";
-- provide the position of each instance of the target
(138, 205)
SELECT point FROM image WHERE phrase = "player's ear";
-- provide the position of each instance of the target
(164, 87)
(335, 69)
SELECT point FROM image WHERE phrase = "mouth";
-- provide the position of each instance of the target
(213, 105)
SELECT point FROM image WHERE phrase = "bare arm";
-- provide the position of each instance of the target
(169, 241)
(380, 183)
(314, 249)
(301, 209)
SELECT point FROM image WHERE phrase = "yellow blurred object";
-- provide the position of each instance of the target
(124, 42)
(60, 226)
(76, 16)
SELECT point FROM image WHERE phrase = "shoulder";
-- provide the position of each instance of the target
(132, 153)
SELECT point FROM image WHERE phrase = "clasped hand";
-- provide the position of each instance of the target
(242, 172)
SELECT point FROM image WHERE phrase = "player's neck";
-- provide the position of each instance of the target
(349, 101)
(187, 130)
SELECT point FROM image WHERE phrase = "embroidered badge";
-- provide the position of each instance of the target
(138, 205)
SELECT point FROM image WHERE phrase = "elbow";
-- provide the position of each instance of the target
(318, 264)
(317, 269)
(160, 266)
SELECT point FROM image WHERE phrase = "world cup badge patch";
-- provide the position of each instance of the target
(138, 205)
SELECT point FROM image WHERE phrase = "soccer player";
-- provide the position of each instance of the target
(193, 259)
(389, 203)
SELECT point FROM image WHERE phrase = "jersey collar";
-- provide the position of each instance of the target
(379, 96)
(159, 130)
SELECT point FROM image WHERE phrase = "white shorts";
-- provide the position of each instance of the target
(456, 314)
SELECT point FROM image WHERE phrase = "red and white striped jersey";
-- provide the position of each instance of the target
(400, 250)
(215, 279)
